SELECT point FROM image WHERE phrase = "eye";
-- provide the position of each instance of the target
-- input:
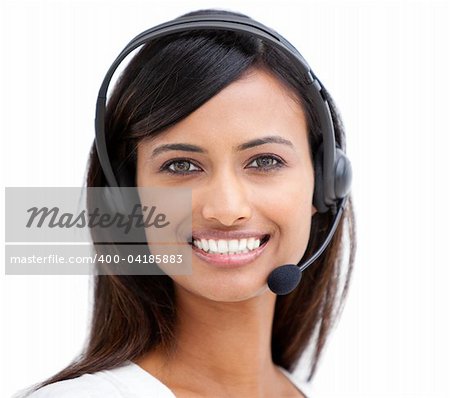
(266, 162)
(180, 166)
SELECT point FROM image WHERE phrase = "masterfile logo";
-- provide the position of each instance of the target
(70, 230)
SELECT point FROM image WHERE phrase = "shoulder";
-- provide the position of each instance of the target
(86, 386)
(305, 388)
(127, 381)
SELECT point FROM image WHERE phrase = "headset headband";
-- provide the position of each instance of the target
(236, 24)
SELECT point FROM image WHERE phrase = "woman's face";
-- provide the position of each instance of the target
(266, 189)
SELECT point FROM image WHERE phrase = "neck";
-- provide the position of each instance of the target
(223, 348)
(228, 341)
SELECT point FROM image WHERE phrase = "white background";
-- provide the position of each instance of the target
(385, 63)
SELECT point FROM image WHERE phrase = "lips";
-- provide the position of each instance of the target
(231, 260)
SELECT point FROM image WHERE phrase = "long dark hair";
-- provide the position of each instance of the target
(164, 82)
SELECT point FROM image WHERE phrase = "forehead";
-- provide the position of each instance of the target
(256, 105)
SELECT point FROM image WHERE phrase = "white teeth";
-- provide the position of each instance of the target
(205, 245)
(222, 246)
(229, 247)
(233, 245)
(212, 245)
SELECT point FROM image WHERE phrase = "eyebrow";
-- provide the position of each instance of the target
(271, 139)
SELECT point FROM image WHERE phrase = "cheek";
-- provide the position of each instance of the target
(295, 227)
(291, 198)
(290, 209)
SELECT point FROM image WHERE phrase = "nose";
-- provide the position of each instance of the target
(226, 199)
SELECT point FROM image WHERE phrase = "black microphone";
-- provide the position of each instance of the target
(284, 279)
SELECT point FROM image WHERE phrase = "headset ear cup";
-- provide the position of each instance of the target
(125, 175)
(343, 174)
(114, 199)
(319, 195)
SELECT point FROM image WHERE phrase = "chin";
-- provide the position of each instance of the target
(235, 290)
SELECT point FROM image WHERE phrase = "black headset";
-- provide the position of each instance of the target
(332, 168)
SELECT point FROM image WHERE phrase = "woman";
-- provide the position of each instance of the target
(219, 332)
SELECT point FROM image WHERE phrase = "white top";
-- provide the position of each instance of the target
(127, 381)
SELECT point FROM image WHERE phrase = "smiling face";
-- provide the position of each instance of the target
(263, 187)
